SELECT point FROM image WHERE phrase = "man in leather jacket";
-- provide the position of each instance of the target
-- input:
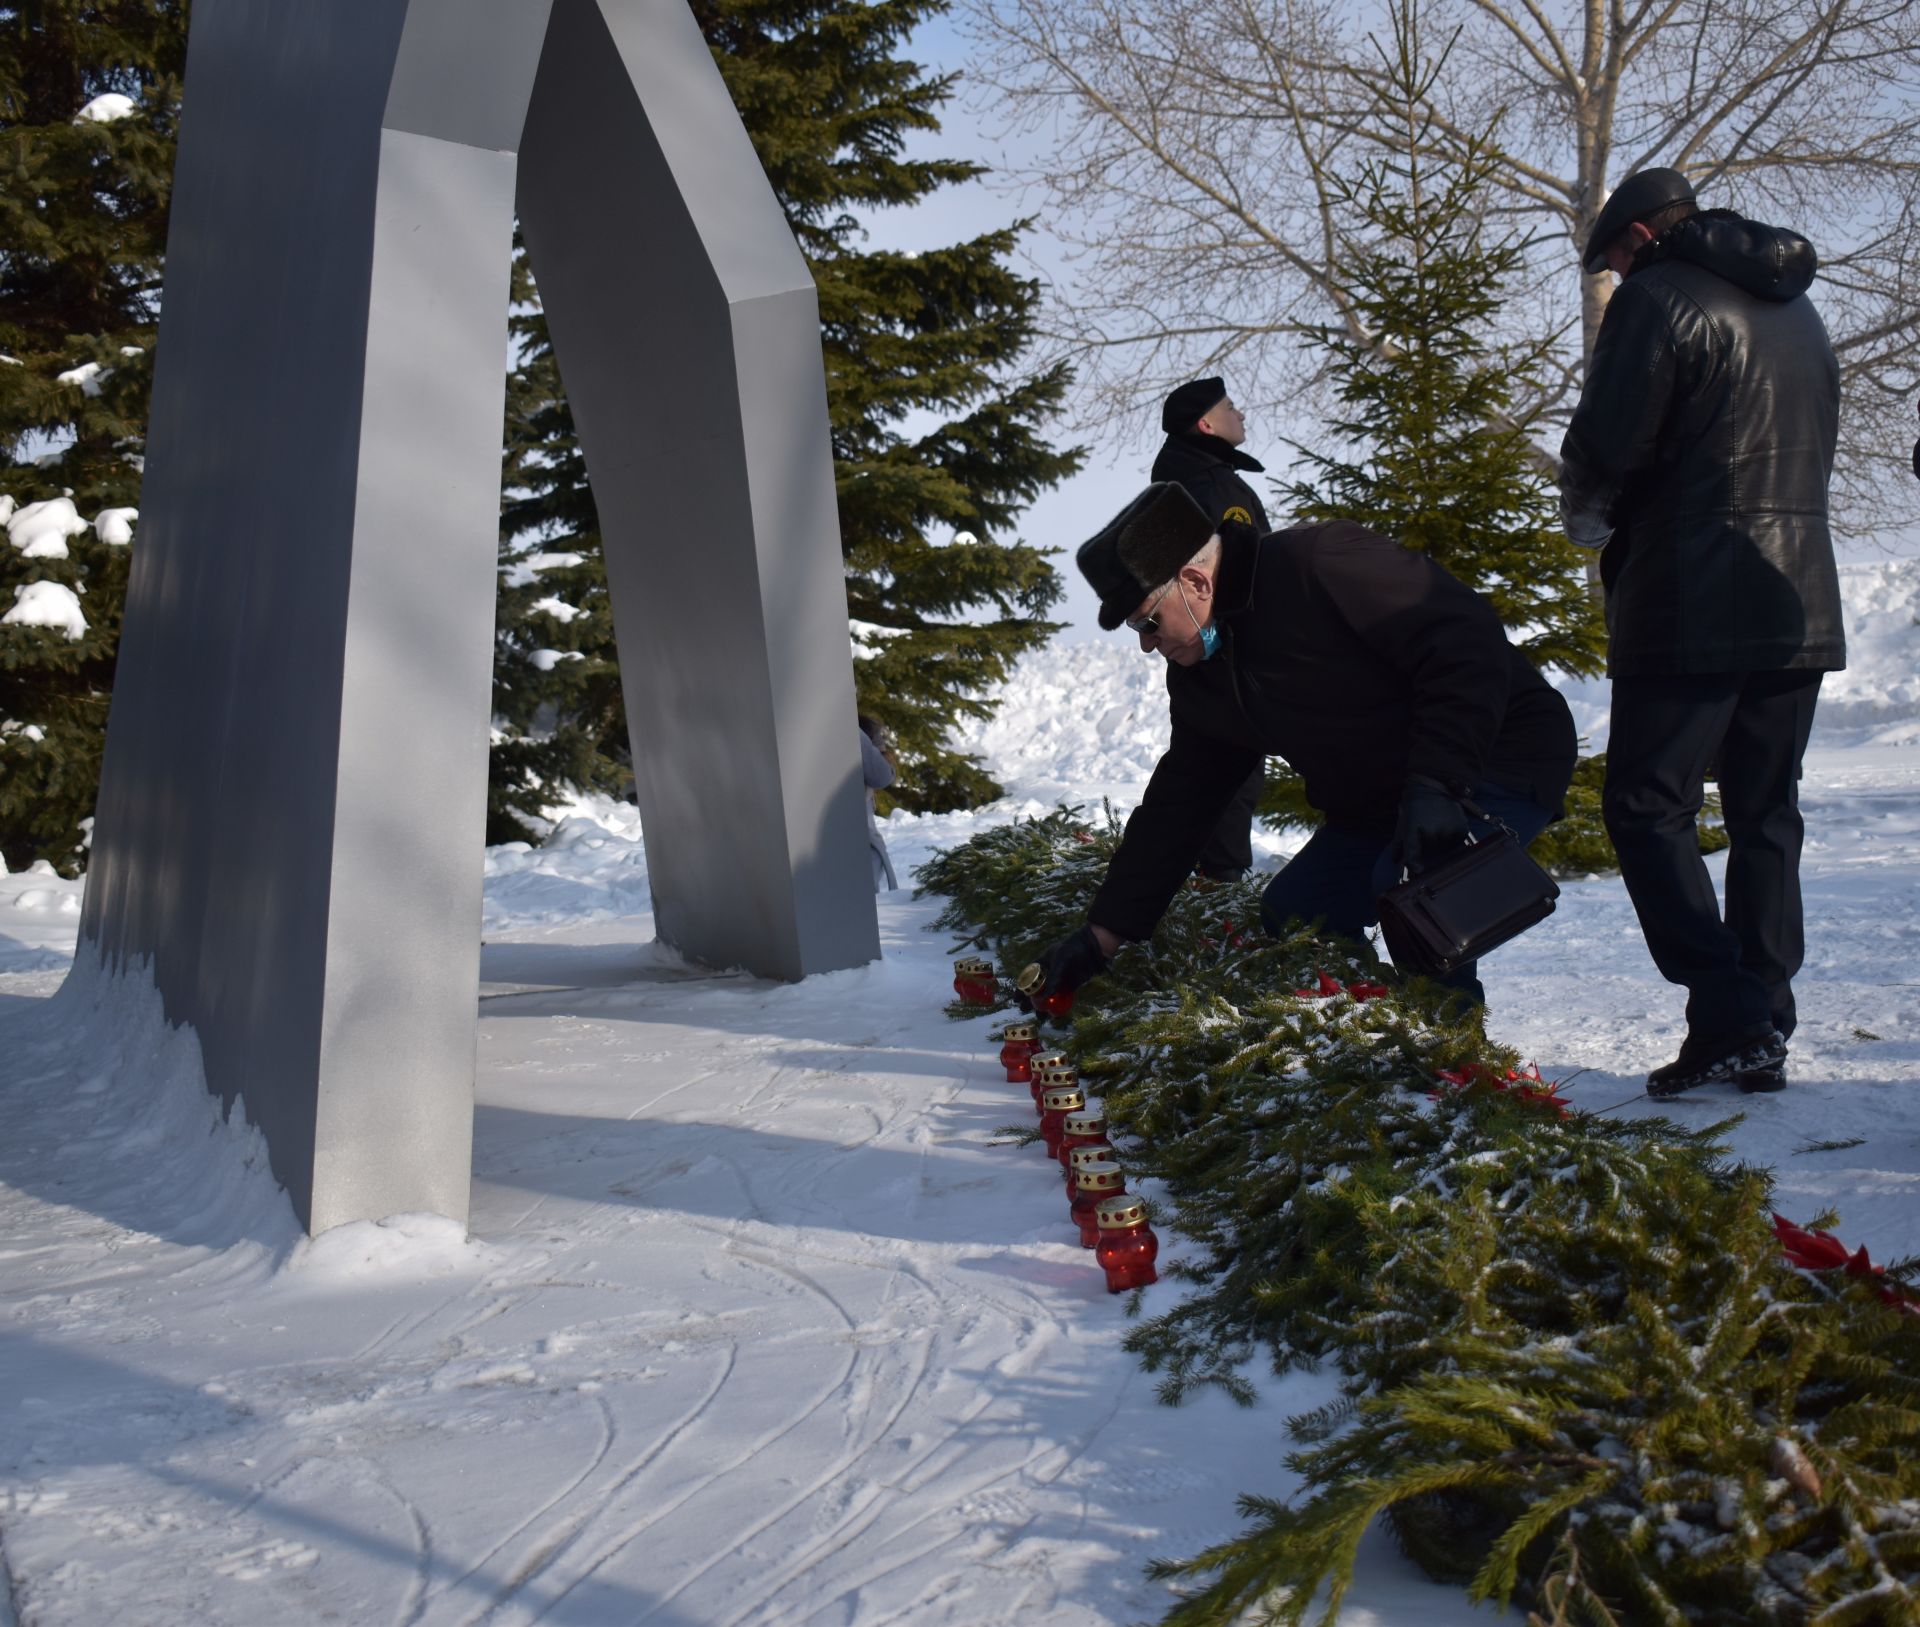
(1386, 683)
(1202, 452)
(1698, 460)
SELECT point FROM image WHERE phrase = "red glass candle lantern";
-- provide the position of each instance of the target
(973, 980)
(1055, 1105)
(1126, 1247)
(1079, 1158)
(1099, 1181)
(1055, 1005)
(1084, 1129)
(1052, 1079)
(1017, 1045)
(1050, 1067)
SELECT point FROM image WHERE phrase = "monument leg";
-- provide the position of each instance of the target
(293, 798)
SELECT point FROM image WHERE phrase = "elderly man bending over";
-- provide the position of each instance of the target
(1389, 686)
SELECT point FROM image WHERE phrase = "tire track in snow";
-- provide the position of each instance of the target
(852, 1523)
(920, 1477)
(416, 1599)
(631, 1534)
(1028, 1321)
(609, 1436)
(556, 1544)
(856, 1521)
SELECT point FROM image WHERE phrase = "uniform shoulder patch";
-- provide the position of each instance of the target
(1237, 513)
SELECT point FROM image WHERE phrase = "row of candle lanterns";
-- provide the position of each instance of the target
(975, 982)
(1111, 1221)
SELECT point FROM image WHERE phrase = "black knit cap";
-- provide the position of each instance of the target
(1190, 403)
(1142, 547)
(1639, 195)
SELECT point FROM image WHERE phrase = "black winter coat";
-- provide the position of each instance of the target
(1704, 442)
(1210, 470)
(1358, 661)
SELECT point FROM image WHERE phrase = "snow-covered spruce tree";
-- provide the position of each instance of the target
(558, 715)
(937, 426)
(89, 98)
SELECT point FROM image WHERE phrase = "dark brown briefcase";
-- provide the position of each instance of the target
(1467, 905)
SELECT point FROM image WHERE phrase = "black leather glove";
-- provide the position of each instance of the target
(1432, 823)
(1064, 966)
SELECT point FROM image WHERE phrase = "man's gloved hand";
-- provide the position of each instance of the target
(1064, 966)
(1432, 823)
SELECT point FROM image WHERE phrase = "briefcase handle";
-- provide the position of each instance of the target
(1474, 811)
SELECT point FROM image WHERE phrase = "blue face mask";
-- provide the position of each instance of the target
(1209, 634)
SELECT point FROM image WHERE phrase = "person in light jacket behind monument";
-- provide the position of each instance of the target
(876, 768)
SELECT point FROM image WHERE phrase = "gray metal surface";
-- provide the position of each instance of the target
(294, 789)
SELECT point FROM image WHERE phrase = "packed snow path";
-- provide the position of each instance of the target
(757, 1324)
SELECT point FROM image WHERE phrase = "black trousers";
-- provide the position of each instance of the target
(1738, 971)
(1229, 849)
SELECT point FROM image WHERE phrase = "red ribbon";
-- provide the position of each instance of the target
(1523, 1083)
(1328, 987)
(1822, 1251)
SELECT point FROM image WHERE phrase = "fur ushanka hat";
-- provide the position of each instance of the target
(1141, 547)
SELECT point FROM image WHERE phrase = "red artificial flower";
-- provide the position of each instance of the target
(1822, 1251)
(1524, 1083)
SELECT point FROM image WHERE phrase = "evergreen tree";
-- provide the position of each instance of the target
(89, 100)
(558, 715)
(1431, 412)
(936, 429)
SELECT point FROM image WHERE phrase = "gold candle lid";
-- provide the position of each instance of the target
(1013, 1033)
(1116, 1214)
(1063, 1099)
(1050, 1061)
(973, 965)
(1100, 1176)
(1093, 1153)
(1089, 1123)
(1030, 979)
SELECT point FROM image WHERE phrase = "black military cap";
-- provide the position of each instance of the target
(1141, 547)
(1639, 195)
(1190, 403)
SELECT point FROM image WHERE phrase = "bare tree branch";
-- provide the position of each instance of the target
(1193, 146)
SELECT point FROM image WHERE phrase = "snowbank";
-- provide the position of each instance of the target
(1878, 696)
(140, 1135)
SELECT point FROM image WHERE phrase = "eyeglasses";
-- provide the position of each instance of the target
(1149, 624)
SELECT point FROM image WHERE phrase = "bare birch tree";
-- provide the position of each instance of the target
(1193, 148)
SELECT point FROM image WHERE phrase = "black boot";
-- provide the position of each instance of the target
(1754, 1059)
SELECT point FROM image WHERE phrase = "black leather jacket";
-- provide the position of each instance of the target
(1700, 456)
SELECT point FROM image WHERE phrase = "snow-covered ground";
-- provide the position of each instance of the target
(755, 1324)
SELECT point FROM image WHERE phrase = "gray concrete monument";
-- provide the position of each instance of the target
(292, 807)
